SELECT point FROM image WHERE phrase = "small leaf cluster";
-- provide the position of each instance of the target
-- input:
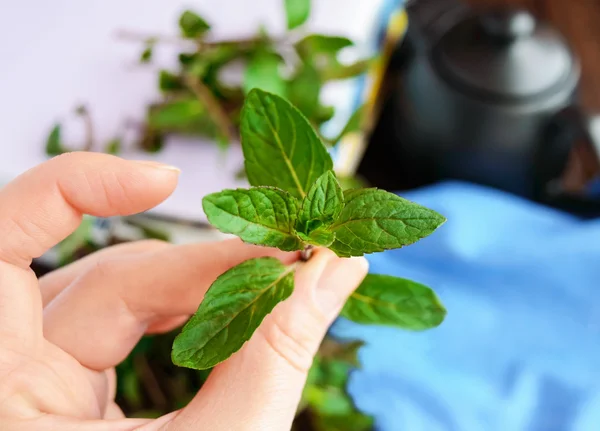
(325, 400)
(197, 99)
(296, 203)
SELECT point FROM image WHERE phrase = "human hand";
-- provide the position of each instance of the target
(61, 336)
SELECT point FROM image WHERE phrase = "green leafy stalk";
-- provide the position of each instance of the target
(297, 203)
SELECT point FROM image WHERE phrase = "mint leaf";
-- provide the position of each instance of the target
(176, 113)
(349, 421)
(146, 55)
(318, 237)
(192, 25)
(336, 70)
(262, 71)
(261, 215)
(341, 351)
(325, 395)
(168, 81)
(321, 43)
(81, 237)
(232, 309)
(114, 146)
(297, 12)
(322, 205)
(187, 58)
(304, 90)
(352, 182)
(393, 301)
(323, 114)
(54, 145)
(374, 220)
(280, 147)
(354, 123)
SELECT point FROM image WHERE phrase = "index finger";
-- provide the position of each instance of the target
(45, 204)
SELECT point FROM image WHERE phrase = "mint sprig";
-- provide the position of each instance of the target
(296, 203)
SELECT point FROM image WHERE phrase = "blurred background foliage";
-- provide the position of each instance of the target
(204, 96)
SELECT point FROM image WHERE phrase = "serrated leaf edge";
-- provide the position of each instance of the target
(288, 270)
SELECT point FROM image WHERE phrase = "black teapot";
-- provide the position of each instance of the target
(488, 97)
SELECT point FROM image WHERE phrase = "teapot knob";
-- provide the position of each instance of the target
(508, 25)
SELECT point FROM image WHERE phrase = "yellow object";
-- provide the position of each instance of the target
(353, 146)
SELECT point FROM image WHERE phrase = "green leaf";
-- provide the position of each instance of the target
(261, 215)
(263, 72)
(304, 90)
(176, 113)
(349, 421)
(393, 301)
(198, 68)
(297, 12)
(281, 149)
(318, 237)
(130, 388)
(168, 81)
(342, 351)
(354, 123)
(232, 309)
(321, 43)
(322, 205)
(54, 145)
(329, 400)
(192, 25)
(338, 71)
(146, 55)
(186, 58)
(149, 231)
(81, 237)
(374, 220)
(114, 146)
(323, 114)
(352, 182)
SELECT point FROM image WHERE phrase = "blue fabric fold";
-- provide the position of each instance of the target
(520, 348)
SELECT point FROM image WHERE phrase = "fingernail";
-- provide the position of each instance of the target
(338, 281)
(157, 165)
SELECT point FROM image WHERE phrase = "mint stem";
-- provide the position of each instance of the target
(307, 253)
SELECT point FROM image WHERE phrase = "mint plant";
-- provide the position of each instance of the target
(296, 203)
(196, 98)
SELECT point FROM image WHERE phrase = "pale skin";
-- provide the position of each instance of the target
(61, 336)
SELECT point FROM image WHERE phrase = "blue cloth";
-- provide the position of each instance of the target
(520, 348)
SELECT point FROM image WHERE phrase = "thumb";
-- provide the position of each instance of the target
(260, 386)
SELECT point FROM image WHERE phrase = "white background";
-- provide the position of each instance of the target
(60, 53)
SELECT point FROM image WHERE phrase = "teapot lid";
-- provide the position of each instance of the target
(505, 55)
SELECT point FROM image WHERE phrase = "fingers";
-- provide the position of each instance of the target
(54, 282)
(53, 423)
(260, 386)
(44, 205)
(100, 317)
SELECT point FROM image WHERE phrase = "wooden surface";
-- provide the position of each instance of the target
(579, 22)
